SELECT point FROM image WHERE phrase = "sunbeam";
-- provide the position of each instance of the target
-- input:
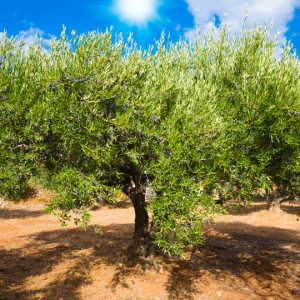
(136, 12)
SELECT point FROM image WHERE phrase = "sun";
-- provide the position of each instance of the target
(135, 11)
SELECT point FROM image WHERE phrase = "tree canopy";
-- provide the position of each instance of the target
(102, 125)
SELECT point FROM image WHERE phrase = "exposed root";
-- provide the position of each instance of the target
(146, 263)
(141, 252)
(275, 207)
(149, 262)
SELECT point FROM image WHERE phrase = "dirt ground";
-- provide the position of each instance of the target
(249, 254)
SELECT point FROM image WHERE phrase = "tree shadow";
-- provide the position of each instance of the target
(263, 259)
(118, 204)
(181, 282)
(17, 269)
(55, 264)
(289, 208)
(22, 268)
(20, 214)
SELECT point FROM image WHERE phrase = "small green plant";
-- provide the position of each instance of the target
(42, 178)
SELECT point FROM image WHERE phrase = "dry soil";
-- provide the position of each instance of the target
(249, 254)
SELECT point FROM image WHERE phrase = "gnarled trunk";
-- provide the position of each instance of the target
(220, 201)
(273, 201)
(142, 247)
(137, 197)
(143, 235)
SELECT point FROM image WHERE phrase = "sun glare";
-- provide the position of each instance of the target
(135, 11)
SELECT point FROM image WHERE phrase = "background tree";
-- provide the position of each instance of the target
(259, 99)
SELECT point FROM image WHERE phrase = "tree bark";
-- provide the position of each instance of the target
(142, 248)
(142, 245)
(220, 200)
(273, 202)
(137, 197)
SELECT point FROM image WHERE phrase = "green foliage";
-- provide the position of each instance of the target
(261, 110)
(98, 123)
(43, 178)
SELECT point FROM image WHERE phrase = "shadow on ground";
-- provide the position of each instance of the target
(291, 208)
(21, 214)
(119, 204)
(255, 258)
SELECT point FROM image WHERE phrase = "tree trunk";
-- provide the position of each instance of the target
(220, 200)
(142, 248)
(273, 202)
(137, 197)
(143, 237)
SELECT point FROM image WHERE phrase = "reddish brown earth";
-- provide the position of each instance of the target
(249, 254)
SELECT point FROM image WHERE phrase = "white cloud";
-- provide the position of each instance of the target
(27, 23)
(280, 10)
(177, 28)
(29, 37)
(34, 34)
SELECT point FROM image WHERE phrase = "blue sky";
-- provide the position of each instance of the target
(146, 19)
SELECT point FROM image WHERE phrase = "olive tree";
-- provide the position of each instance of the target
(259, 99)
(102, 125)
